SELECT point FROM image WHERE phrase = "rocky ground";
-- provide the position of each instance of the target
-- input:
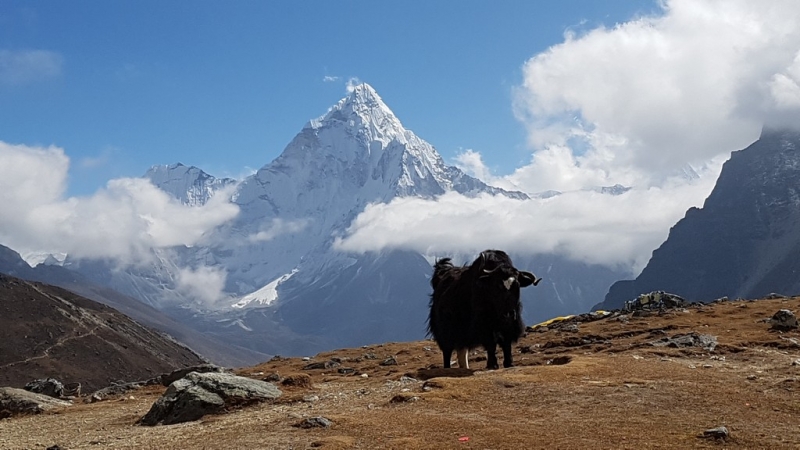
(636, 381)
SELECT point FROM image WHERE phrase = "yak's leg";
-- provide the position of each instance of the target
(447, 353)
(463, 361)
(491, 355)
(508, 360)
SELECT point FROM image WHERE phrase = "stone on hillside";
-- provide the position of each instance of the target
(704, 341)
(717, 433)
(198, 394)
(314, 422)
(169, 378)
(784, 320)
(19, 401)
(114, 390)
(46, 386)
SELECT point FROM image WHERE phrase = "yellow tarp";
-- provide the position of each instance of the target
(553, 320)
(562, 318)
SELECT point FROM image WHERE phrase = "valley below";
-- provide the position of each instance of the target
(641, 380)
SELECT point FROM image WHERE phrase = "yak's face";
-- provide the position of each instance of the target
(499, 282)
(501, 285)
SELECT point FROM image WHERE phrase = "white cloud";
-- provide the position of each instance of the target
(471, 162)
(122, 221)
(351, 84)
(205, 284)
(277, 227)
(329, 79)
(638, 104)
(28, 66)
(648, 96)
(617, 231)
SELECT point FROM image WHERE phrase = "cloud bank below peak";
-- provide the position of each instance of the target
(122, 221)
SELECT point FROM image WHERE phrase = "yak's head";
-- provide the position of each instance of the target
(500, 281)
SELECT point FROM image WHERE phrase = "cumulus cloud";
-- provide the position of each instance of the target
(656, 103)
(122, 221)
(642, 99)
(29, 66)
(205, 285)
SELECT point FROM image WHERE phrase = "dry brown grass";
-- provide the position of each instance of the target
(616, 392)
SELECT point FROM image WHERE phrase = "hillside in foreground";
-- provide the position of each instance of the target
(651, 380)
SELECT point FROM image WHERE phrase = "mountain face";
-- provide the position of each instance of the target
(47, 331)
(745, 240)
(290, 291)
(223, 353)
(190, 185)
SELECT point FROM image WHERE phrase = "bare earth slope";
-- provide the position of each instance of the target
(604, 385)
(46, 331)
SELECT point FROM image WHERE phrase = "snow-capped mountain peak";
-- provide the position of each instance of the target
(363, 113)
(355, 154)
(188, 184)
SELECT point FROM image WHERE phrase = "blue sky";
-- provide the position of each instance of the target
(526, 95)
(226, 85)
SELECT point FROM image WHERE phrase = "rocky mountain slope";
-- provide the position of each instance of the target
(223, 353)
(745, 239)
(46, 331)
(643, 380)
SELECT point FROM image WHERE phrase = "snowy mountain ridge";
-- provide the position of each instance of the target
(190, 185)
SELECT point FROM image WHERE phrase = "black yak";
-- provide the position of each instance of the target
(477, 305)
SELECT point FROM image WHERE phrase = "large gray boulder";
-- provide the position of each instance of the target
(15, 401)
(198, 394)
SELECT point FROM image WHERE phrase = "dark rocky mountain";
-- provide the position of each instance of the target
(47, 331)
(744, 241)
(11, 263)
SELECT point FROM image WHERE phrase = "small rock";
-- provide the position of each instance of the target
(314, 422)
(306, 358)
(796, 362)
(46, 386)
(347, 370)
(364, 375)
(400, 398)
(390, 361)
(559, 360)
(322, 365)
(311, 398)
(274, 377)
(297, 380)
(784, 320)
(716, 433)
(570, 328)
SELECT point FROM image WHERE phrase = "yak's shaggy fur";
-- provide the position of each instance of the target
(477, 305)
